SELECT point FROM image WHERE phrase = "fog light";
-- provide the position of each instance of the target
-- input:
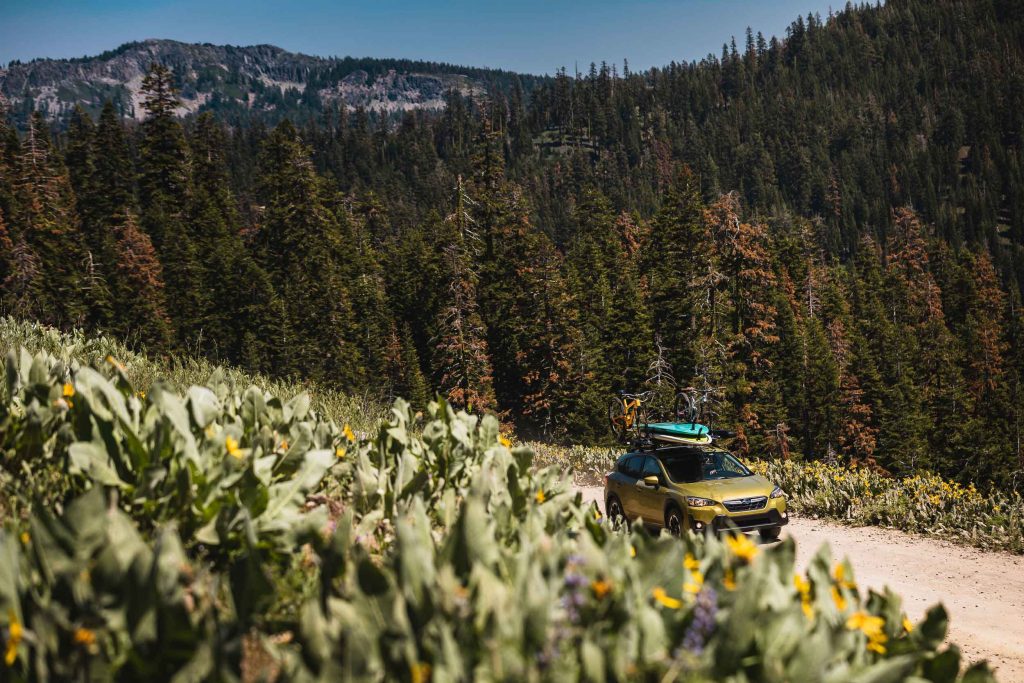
(700, 525)
(785, 515)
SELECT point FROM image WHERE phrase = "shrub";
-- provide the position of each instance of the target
(430, 550)
(923, 503)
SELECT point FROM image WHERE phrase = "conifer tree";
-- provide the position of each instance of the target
(19, 268)
(80, 156)
(821, 387)
(985, 344)
(134, 272)
(402, 373)
(298, 244)
(245, 319)
(461, 361)
(52, 263)
(747, 283)
(604, 283)
(363, 273)
(416, 281)
(928, 350)
(113, 167)
(165, 194)
(516, 267)
(558, 392)
(675, 259)
(141, 308)
(1015, 382)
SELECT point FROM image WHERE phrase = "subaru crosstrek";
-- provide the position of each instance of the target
(703, 488)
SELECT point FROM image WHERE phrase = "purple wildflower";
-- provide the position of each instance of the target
(703, 624)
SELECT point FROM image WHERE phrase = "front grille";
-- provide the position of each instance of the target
(746, 504)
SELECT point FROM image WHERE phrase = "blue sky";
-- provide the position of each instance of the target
(528, 36)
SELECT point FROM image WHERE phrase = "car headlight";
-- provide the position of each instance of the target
(778, 493)
(695, 502)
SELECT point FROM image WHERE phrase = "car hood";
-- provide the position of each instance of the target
(726, 489)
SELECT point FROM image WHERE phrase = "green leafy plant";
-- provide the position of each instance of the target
(189, 542)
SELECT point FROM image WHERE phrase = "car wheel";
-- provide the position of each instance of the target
(771, 533)
(614, 510)
(674, 521)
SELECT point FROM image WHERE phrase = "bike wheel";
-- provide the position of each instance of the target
(640, 420)
(685, 408)
(617, 420)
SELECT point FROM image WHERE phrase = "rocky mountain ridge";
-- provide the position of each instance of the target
(258, 79)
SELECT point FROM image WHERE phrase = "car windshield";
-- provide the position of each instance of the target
(687, 467)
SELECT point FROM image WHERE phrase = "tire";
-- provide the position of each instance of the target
(640, 426)
(674, 521)
(771, 533)
(613, 509)
(685, 409)
(617, 420)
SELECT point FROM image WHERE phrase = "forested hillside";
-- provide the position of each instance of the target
(827, 229)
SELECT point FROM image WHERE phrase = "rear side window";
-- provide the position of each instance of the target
(651, 468)
(630, 465)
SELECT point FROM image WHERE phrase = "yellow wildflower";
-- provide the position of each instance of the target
(839, 573)
(540, 496)
(349, 434)
(284, 444)
(871, 626)
(504, 441)
(729, 581)
(601, 588)
(69, 390)
(340, 451)
(803, 587)
(837, 597)
(693, 587)
(115, 363)
(233, 450)
(661, 596)
(420, 672)
(632, 551)
(742, 547)
(14, 635)
(908, 625)
(84, 636)
(690, 562)
(25, 538)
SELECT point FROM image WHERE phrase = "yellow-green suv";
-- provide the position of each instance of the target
(703, 488)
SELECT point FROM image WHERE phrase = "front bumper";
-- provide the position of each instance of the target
(717, 518)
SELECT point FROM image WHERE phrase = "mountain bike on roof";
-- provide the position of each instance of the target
(632, 417)
(626, 412)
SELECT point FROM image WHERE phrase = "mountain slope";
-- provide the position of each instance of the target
(228, 79)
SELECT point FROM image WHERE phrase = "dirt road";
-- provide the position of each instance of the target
(982, 591)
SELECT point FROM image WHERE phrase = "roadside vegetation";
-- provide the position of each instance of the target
(922, 503)
(218, 531)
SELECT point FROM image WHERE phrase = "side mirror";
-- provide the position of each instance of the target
(652, 482)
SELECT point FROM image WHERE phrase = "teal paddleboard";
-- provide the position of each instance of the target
(679, 430)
